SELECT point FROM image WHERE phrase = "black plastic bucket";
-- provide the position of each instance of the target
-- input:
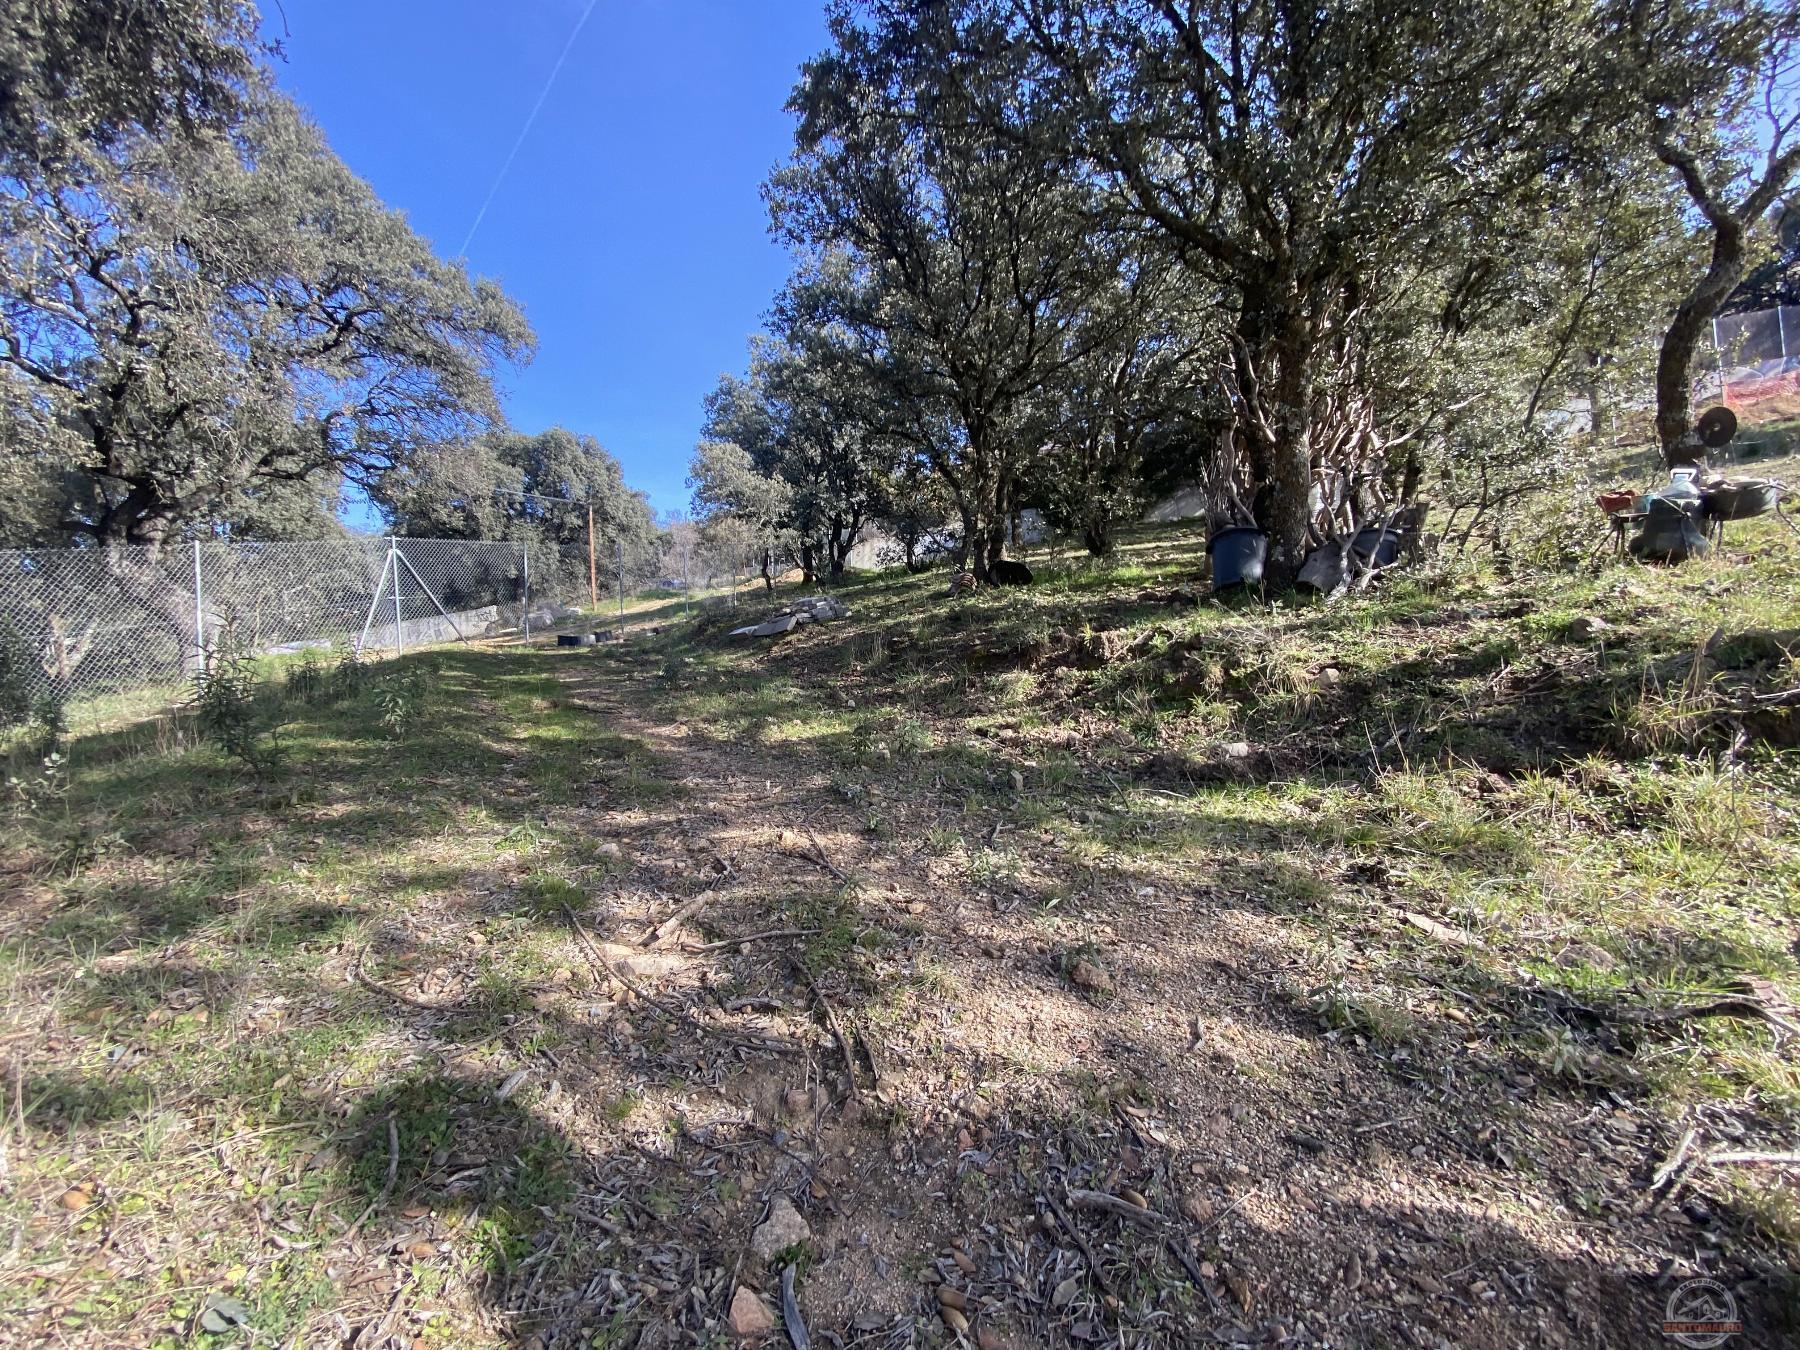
(1238, 553)
(1384, 544)
(574, 639)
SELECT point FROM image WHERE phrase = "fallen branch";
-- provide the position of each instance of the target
(817, 857)
(1758, 1159)
(1101, 1202)
(767, 936)
(831, 1020)
(369, 982)
(661, 932)
(1180, 1253)
(607, 969)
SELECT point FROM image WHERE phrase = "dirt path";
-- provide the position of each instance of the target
(1023, 1039)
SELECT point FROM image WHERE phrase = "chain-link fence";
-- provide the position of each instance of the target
(81, 624)
(1752, 363)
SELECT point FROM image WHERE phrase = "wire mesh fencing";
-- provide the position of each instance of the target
(1752, 363)
(78, 625)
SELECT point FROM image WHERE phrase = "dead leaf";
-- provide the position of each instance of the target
(79, 1196)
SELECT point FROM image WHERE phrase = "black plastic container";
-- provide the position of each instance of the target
(1384, 544)
(1239, 553)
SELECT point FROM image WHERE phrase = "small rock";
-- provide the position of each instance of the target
(1087, 975)
(1235, 750)
(1064, 1293)
(1197, 1208)
(783, 1228)
(750, 1316)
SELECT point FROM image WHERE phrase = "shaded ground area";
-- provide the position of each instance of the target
(1085, 966)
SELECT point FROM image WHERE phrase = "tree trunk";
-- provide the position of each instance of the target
(1674, 362)
(768, 570)
(1284, 511)
(1596, 395)
(836, 548)
(966, 545)
(808, 563)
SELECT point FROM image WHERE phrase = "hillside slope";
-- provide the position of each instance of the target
(1082, 965)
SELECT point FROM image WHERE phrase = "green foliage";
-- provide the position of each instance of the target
(228, 711)
(316, 336)
(400, 697)
(310, 681)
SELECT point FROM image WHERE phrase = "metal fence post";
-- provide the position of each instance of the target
(525, 554)
(394, 565)
(199, 613)
(620, 542)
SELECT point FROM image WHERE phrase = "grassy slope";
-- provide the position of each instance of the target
(1444, 833)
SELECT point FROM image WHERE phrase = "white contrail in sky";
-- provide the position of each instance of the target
(525, 130)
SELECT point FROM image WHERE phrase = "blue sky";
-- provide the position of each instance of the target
(629, 227)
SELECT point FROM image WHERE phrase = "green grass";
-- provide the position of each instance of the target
(193, 926)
